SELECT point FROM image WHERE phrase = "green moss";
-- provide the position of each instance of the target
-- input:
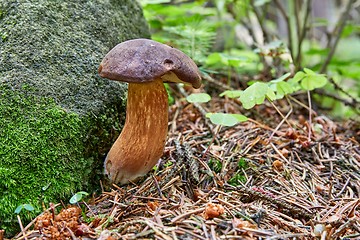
(42, 153)
(239, 177)
(48, 153)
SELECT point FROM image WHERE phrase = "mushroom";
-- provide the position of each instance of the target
(145, 65)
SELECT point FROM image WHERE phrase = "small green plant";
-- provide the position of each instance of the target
(77, 197)
(231, 93)
(258, 92)
(198, 97)
(226, 119)
(26, 206)
(215, 165)
(309, 80)
(242, 163)
(168, 164)
(281, 87)
(237, 179)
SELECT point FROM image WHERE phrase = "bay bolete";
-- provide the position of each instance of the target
(145, 65)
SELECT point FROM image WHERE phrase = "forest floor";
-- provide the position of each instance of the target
(266, 178)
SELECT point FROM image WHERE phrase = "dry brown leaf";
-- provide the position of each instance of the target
(278, 165)
(238, 223)
(153, 205)
(213, 210)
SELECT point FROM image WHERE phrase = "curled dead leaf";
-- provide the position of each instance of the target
(238, 223)
(213, 210)
(153, 205)
(278, 165)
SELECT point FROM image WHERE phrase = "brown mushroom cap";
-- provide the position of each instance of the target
(143, 60)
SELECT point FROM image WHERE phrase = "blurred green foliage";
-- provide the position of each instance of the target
(243, 41)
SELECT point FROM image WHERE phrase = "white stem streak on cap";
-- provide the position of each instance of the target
(142, 140)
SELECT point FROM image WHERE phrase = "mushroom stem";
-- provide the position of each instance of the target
(142, 140)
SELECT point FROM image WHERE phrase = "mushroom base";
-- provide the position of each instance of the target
(142, 140)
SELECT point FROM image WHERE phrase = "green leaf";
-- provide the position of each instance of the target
(280, 86)
(309, 80)
(299, 76)
(349, 29)
(29, 207)
(198, 97)
(313, 81)
(309, 71)
(240, 117)
(270, 94)
(234, 61)
(226, 119)
(282, 89)
(281, 79)
(77, 197)
(225, 60)
(26, 206)
(231, 93)
(18, 209)
(316, 51)
(255, 94)
(213, 59)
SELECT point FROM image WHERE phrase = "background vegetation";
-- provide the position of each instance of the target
(243, 42)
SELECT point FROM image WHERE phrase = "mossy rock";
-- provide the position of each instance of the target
(57, 117)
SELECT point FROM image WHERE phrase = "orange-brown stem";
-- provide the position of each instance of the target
(142, 140)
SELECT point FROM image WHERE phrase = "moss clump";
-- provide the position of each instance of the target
(42, 153)
(57, 116)
(48, 153)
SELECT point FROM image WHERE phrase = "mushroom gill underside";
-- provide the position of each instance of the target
(142, 140)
